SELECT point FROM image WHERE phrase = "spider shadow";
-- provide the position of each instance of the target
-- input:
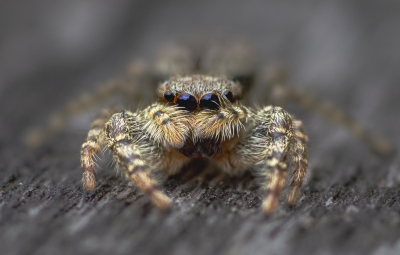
(201, 174)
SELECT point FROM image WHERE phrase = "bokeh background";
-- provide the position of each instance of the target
(347, 52)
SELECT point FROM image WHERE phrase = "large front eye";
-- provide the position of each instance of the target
(188, 101)
(209, 101)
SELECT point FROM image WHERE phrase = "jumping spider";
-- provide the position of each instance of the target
(202, 116)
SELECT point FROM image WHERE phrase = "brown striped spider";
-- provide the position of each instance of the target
(202, 117)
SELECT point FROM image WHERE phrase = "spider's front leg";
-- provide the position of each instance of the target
(140, 143)
(275, 142)
(280, 141)
(92, 144)
(270, 139)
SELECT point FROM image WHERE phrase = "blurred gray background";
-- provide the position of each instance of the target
(347, 52)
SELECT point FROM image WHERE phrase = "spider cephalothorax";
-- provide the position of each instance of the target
(201, 117)
(199, 92)
(208, 105)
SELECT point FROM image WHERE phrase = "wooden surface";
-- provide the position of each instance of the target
(343, 51)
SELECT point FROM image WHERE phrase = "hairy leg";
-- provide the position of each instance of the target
(139, 141)
(299, 160)
(272, 134)
(92, 144)
(272, 143)
(134, 156)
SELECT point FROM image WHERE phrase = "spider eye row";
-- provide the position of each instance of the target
(189, 102)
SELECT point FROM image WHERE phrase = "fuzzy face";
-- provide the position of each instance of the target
(207, 112)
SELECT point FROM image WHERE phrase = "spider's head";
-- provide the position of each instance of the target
(199, 92)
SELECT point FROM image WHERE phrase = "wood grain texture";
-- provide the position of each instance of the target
(350, 201)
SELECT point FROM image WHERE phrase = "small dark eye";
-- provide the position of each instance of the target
(169, 96)
(188, 101)
(228, 95)
(209, 101)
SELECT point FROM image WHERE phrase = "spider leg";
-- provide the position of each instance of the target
(300, 161)
(277, 141)
(280, 94)
(126, 86)
(272, 143)
(138, 142)
(92, 144)
(272, 140)
(144, 142)
(135, 154)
